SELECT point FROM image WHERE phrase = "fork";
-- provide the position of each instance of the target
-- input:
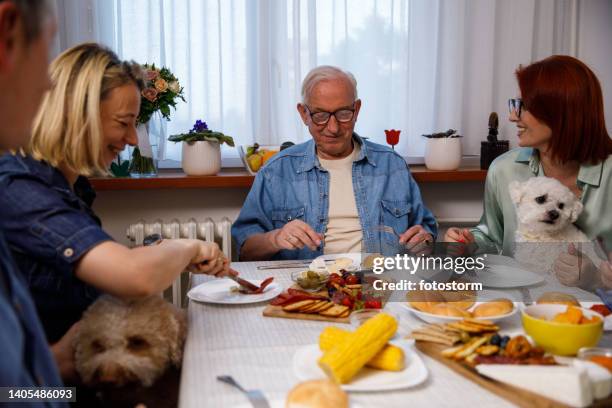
(256, 397)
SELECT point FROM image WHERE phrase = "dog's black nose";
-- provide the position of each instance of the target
(553, 214)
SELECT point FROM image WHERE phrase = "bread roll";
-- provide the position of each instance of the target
(424, 300)
(558, 298)
(449, 309)
(495, 307)
(317, 394)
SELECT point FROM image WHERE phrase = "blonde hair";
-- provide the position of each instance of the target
(67, 129)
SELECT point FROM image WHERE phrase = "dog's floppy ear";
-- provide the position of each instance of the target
(176, 349)
(515, 189)
(576, 210)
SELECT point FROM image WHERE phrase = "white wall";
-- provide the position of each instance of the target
(594, 45)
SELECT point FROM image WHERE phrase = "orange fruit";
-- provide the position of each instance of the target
(267, 154)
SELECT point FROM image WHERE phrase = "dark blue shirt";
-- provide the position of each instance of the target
(26, 360)
(48, 229)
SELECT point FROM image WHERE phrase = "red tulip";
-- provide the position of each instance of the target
(392, 137)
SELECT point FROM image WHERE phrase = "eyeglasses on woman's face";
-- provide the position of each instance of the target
(515, 105)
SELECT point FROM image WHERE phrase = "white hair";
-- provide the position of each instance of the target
(326, 73)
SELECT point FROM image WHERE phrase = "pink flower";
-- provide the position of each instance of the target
(151, 74)
(161, 85)
(150, 94)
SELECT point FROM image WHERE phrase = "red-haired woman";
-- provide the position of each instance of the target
(562, 134)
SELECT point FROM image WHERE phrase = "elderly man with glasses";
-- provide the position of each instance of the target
(336, 193)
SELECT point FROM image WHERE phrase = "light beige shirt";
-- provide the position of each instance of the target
(343, 233)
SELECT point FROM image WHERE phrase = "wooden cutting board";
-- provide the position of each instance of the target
(518, 396)
(277, 311)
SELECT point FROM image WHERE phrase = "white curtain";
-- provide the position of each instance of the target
(421, 65)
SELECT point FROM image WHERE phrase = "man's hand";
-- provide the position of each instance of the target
(295, 235)
(462, 235)
(63, 353)
(573, 268)
(416, 239)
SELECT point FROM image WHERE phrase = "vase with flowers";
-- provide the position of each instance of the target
(161, 92)
(201, 149)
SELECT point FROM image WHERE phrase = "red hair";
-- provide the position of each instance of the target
(565, 94)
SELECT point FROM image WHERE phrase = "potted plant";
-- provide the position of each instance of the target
(161, 91)
(201, 149)
(443, 150)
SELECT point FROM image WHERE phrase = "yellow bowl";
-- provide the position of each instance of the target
(560, 338)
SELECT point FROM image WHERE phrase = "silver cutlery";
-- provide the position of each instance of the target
(256, 397)
(526, 295)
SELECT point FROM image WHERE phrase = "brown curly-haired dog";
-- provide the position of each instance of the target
(129, 343)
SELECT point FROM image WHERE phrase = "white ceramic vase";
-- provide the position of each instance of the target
(201, 158)
(443, 153)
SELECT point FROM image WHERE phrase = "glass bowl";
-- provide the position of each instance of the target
(310, 281)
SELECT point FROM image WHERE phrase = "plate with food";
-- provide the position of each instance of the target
(447, 306)
(362, 360)
(312, 393)
(335, 263)
(227, 292)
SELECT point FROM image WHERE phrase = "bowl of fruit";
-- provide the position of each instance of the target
(256, 156)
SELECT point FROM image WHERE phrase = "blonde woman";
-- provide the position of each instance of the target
(87, 117)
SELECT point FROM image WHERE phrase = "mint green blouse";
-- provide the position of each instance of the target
(497, 227)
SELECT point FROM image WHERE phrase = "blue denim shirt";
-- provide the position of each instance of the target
(48, 229)
(26, 359)
(293, 185)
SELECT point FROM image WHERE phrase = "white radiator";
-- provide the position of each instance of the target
(207, 230)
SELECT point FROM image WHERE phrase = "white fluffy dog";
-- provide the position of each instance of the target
(545, 213)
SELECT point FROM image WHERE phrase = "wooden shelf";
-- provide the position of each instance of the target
(239, 178)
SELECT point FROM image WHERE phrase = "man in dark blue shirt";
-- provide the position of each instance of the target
(27, 28)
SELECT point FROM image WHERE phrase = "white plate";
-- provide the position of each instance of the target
(305, 367)
(433, 318)
(353, 256)
(281, 404)
(483, 296)
(504, 276)
(218, 291)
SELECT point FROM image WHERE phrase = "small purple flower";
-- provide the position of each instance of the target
(199, 127)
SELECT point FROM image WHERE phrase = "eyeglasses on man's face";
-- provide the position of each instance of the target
(343, 115)
(515, 105)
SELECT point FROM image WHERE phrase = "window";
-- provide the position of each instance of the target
(421, 66)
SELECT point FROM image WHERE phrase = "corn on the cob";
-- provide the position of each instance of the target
(390, 358)
(343, 361)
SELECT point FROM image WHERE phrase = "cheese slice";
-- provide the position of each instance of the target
(566, 384)
(600, 378)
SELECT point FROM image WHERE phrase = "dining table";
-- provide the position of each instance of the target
(257, 351)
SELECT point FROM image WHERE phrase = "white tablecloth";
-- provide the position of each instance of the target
(258, 351)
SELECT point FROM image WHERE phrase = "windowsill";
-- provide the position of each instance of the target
(240, 178)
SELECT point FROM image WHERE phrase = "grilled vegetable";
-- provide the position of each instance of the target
(390, 358)
(343, 361)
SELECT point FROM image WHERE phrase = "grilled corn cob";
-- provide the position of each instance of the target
(344, 360)
(390, 358)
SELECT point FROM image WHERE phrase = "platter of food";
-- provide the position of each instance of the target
(227, 292)
(338, 296)
(523, 367)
